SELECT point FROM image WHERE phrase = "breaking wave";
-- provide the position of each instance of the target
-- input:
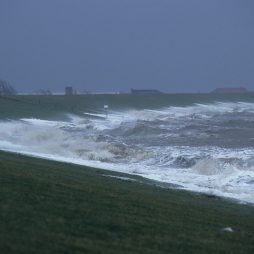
(206, 148)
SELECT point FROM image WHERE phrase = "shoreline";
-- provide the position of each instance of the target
(49, 206)
(145, 180)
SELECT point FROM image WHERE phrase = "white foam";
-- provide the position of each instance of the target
(121, 178)
(227, 172)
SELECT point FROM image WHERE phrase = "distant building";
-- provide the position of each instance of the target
(68, 90)
(43, 92)
(142, 91)
(230, 90)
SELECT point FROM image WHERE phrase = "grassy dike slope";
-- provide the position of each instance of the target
(52, 207)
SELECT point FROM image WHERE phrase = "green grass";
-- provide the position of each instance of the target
(51, 207)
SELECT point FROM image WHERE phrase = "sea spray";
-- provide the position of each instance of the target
(201, 147)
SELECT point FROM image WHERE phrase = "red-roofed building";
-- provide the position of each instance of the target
(230, 90)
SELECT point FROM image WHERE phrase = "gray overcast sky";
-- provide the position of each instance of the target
(115, 45)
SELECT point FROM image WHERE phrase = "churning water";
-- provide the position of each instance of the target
(201, 147)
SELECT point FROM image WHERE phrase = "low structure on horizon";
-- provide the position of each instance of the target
(68, 90)
(230, 90)
(142, 91)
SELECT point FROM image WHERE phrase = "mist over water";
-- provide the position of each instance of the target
(201, 147)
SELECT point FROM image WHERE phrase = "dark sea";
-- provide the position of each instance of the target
(197, 142)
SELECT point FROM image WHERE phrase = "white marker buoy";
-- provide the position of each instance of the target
(106, 110)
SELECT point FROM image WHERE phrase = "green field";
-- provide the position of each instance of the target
(52, 207)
